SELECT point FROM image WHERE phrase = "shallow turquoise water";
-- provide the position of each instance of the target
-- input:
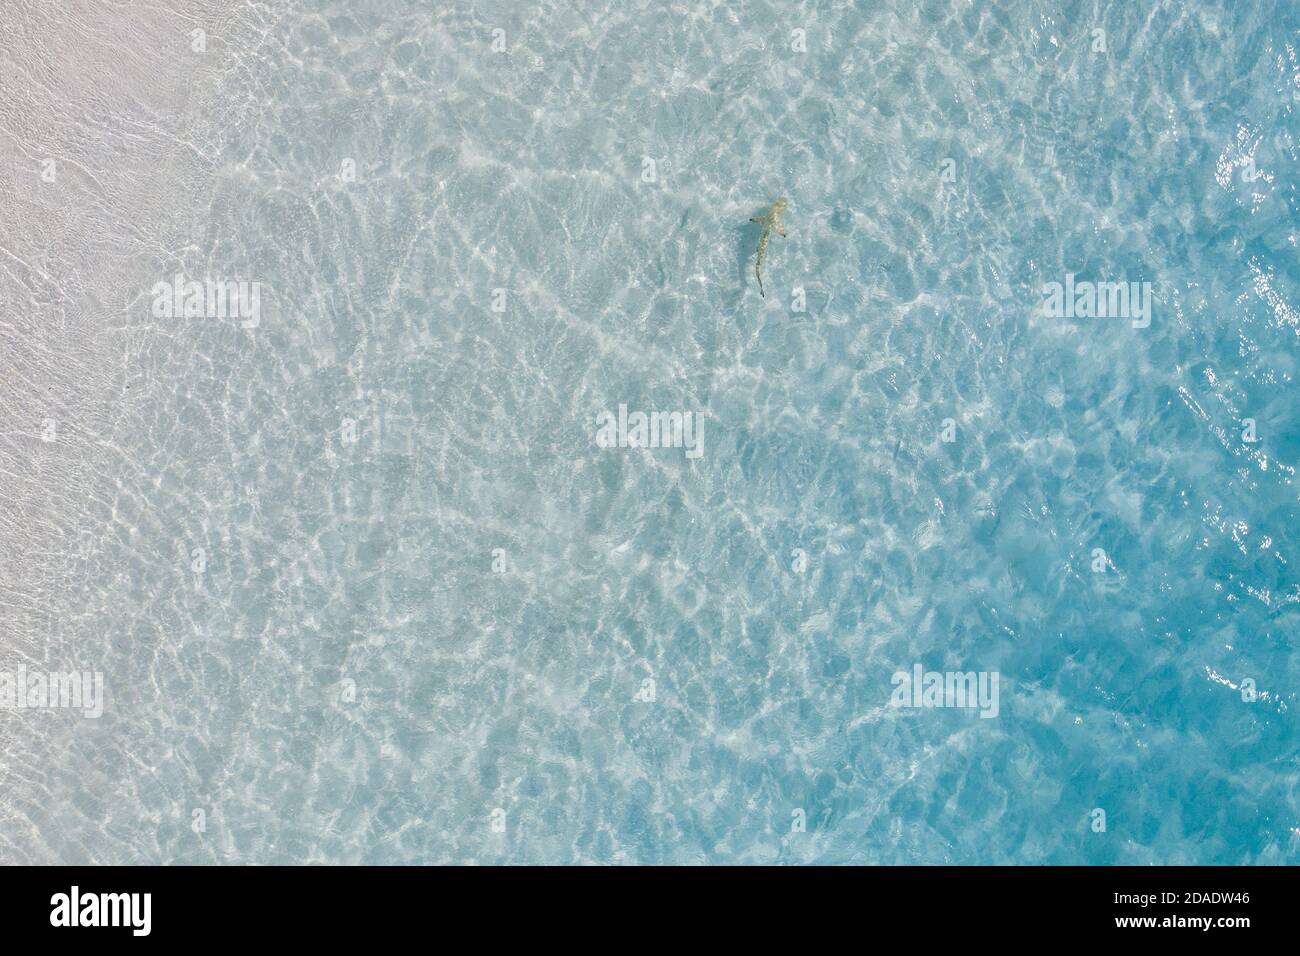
(359, 675)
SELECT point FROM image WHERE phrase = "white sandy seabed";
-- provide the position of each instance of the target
(104, 169)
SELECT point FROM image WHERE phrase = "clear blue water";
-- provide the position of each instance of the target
(351, 680)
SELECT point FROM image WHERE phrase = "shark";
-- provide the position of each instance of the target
(771, 222)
